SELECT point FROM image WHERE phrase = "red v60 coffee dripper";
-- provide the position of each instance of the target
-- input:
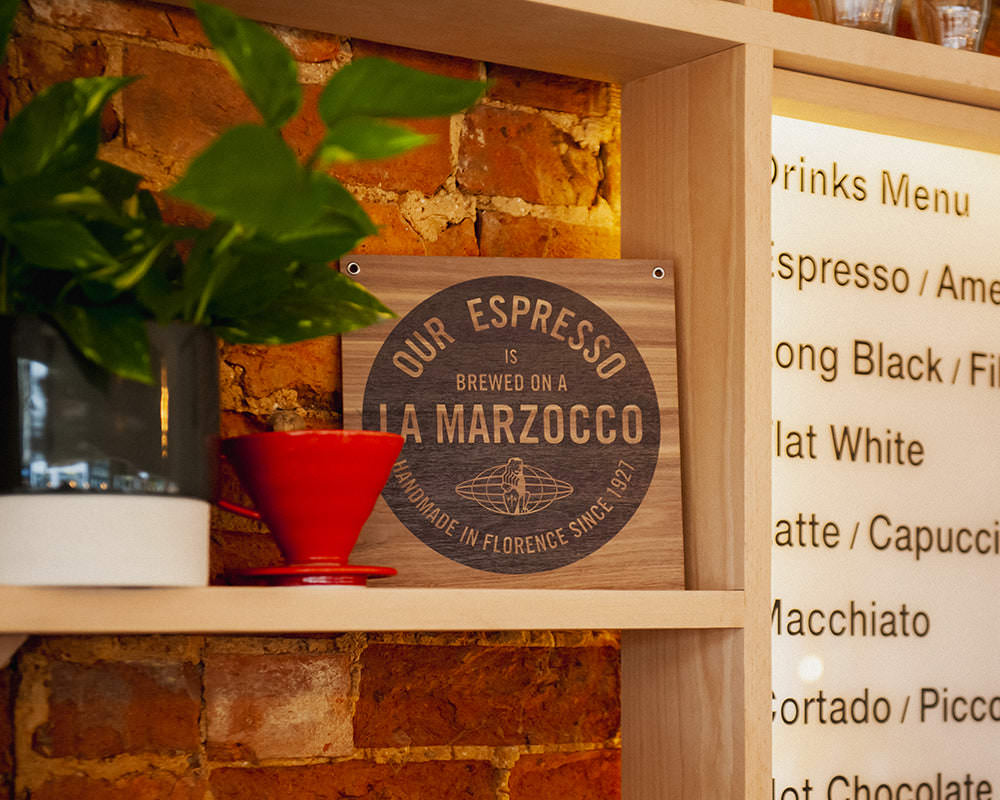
(314, 490)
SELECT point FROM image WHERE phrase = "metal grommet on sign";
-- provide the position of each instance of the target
(659, 273)
(353, 268)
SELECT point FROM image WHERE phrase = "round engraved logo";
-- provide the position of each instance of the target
(514, 488)
(530, 420)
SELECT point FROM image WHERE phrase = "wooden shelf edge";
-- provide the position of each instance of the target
(884, 111)
(626, 42)
(586, 38)
(888, 62)
(222, 609)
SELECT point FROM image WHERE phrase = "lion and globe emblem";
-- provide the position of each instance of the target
(514, 488)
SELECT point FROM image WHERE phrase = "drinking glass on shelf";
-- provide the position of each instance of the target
(960, 24)
(869, 15)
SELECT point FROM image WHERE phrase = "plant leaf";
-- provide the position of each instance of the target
(113, 337)
(337, 200)
(261, 274)
(249, 175)
(340, 228)
(87, 202)
(57, 194)
(58, 130)
(376, 87)
(58, 244)
(8, 10)
(29, 200)
(320, 302)
(199, 266)
(147, 207)
(32, 197)
(156, 293)
(260, 63)
(358, 138)
(323, 242)
(114, 182)
(125, 276)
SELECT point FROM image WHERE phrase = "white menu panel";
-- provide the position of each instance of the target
(885, 445)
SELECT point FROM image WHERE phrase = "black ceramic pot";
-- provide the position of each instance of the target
(83, 453)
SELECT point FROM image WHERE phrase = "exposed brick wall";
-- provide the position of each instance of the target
(533, 171)
(407, 716)
(6, 732)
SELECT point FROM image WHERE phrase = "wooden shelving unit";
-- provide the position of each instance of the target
(238, 609)
(698, 78)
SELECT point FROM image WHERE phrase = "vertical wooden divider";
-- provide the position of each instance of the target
(695, 188)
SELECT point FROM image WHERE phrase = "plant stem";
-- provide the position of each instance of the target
(219, 256)
(310, 163)
(4, 301)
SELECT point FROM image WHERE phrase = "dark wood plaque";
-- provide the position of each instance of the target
(538, 402)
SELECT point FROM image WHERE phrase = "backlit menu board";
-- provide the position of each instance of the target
(885, 444)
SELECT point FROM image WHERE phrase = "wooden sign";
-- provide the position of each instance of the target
(538, 403)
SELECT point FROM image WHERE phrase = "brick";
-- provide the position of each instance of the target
(6, 731)
(611, 185)
(311, 47)
(46, 62)
(136, 18)
(423, 170)
(233, 423)
(521, 154)
(155, 785)
(6, 93)
(136, 648)
(451, 638)
(304, 374)
(298, 644)
(418, 59)
(277, 706)
(486, 695)
(180, 105)
(43, 62)
(593, 775)
(455, 240)
(179, 25)
(232, 527)
(546, 90)
(108, 708)
(397, 238)
(306, 130)
(455, 780)
(503, 234)
(233, 550)
(177, 212)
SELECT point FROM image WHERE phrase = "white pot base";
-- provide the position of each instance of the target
(103, 540)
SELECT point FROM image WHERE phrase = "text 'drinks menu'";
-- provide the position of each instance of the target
(885, 446)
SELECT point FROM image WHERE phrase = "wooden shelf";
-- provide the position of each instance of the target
(596, 39)
(225, 609)
(888, 62)
(621, 42)
(697, 97)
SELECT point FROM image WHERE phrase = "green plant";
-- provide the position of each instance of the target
(85, 246)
